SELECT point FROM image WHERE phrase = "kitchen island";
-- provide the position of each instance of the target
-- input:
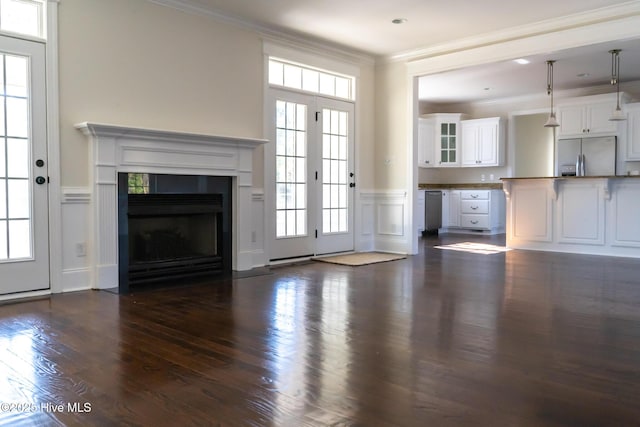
(597, 215)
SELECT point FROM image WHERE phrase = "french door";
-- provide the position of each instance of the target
(24, 228)
(311, 174)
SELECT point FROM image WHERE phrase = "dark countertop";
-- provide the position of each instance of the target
(575, 177)
(471, 185)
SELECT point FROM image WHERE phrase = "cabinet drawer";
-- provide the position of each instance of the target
(474, 194)
(474, 221)
(474, 206)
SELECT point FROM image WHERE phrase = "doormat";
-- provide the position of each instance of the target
(361, 258)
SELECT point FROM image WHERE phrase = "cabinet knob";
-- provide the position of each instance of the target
(426, 161)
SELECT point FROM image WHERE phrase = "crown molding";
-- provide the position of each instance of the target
(600, 15)
(291, 38)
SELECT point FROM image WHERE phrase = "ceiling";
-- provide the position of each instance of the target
(365, 26)
(574, 68)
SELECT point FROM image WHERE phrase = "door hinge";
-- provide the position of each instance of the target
(316, 233)
(317, 115)
(316, 175)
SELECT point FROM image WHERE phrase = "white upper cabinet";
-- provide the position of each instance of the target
(426, 142)
(446, 139)
(586, 116)
(482, 142)
(633, 131)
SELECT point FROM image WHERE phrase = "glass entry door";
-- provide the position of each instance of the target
(311, 155)
(24, 229)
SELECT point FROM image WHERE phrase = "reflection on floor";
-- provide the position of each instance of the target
(475, 248)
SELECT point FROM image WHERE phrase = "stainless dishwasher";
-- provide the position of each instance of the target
(432, 211)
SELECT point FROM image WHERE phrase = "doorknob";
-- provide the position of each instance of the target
(39, 163)
(40, 180)
(352, 184)
(351, 174)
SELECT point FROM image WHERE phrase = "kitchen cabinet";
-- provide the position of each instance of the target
(450, 208)
(421, 211)
(586, 118)
(482, 142)
(474, 210)
(426, 142)
(446, 140)
(633, 131)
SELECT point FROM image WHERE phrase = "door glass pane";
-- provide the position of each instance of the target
(291, 167)
(3, 241)
(18, 198)
(18, 151)
(23, 17)
(19, 239)
(335, 170)
(15, 160)
(16, 72)
(17, 116)
(3, 201)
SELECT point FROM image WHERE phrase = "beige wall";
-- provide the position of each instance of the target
(131, 62)
(533, 146)
(391, 126)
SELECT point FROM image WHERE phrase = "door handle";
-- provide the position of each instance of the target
(39, 163)
(40, 180)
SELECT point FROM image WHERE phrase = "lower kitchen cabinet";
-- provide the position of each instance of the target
(474, 210)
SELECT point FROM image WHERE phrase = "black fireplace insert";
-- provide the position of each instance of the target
(172, 228)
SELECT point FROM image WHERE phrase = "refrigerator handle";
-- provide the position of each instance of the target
(582, 165)
(578, 166)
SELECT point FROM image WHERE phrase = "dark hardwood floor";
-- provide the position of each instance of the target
(444, 338)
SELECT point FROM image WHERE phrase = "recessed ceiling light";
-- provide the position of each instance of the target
(582, 75)
(521, 61)
(399, 20)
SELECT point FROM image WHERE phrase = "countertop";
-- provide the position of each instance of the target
(471, 185)
(575, 177)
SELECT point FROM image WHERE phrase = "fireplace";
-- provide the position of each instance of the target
(115, 149)
(172, 227)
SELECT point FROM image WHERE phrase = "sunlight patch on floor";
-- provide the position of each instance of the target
(476, 248)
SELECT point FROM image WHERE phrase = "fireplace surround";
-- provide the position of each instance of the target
(117, 149)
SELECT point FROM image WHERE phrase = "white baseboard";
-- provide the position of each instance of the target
(76, 279)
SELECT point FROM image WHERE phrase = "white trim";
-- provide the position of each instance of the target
(309, 57)
(76, 195)
(77, 279)
(553, 25)
(623, 28)
(53, 147)
(24, 295)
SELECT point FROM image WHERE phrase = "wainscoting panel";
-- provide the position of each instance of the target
(76, 274)
(257, 232)
(384, 221)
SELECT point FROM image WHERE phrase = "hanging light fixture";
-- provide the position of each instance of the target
(552, 122)
(617, 114)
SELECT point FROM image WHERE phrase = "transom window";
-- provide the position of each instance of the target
(25, 17)
(312, 80)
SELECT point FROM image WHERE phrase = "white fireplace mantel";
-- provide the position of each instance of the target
(115, 149)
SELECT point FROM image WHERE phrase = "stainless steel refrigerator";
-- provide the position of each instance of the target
(586, 156)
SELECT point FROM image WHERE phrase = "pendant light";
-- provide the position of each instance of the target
(552, 122)
(617, 114)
